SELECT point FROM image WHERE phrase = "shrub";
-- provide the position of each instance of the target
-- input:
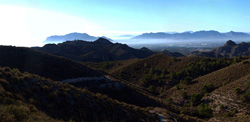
(151, 71)
(170, 100)
(195, 99)
(182, 112)
(208, 88)
(245, 61)
(152, 89)
(163, 73)
(172, 75)
(246, 96)
(184, 94)
(204, 111)
(18, 113)
(177, 86)
(221, 106)
(237, 90)
(187, 80)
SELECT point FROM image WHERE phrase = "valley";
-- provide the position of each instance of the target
(155, 86)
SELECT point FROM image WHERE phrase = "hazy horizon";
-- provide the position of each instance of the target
(29, 22)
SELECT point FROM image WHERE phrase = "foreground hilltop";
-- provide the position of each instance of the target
(74, 73)
(26, 97)
(45, 65)
(230, 49)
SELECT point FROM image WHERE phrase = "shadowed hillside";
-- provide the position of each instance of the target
(28, 94)
(46, 65)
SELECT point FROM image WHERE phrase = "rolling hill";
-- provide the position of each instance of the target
(99, 50)
(27, 97)
(45, 65)
(75, 73)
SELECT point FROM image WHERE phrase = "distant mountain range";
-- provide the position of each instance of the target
(71, 36)
(230, 49)
(194, 35)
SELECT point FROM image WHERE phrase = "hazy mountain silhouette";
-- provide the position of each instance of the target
(71, 36)
(195, 35)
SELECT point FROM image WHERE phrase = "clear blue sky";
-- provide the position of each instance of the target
(34, 20)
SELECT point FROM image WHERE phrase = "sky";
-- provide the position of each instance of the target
(30, 22)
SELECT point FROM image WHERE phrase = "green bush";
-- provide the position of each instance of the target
(195, 99)
(245, 61)
(187, 80)
(151, 89)
(170, 100)
(177, 86)
(208, 88)
(204, 111)
(184, 94)
(237, 90)
(246, 96)
(13, 112)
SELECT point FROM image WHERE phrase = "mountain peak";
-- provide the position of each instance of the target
(144, 48)
(230, 43)
(102, 41)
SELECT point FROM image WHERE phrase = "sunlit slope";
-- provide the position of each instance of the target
(217, 79)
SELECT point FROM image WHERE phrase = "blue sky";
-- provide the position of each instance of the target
(33, 20)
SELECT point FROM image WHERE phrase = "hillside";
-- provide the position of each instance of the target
(45, 65)
(224, 91)
(190, 88)
(99, 50)
(230, 49)
(217, 79)
(23, 96)
(193, 86)
(68, 71)
(161, 72)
